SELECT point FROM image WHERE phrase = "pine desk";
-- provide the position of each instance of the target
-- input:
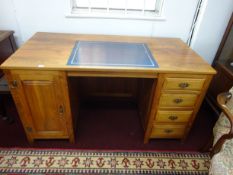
(42, 84)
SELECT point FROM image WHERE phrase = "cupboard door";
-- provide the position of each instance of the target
(45, 107)
(42, 99)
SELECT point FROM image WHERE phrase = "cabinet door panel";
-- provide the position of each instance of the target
(44, 106)
(44, 109)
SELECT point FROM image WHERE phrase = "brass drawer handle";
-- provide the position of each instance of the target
(14, 84)
(183, 85)
(173, 117)
(178, 100)
(168, 131)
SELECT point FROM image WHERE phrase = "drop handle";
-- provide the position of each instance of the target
(178, 100)
(61, 110)
(173, 117)
(14, 84)
(168, 131)
(183, 85)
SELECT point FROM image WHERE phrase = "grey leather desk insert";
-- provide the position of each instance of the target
(99, 53)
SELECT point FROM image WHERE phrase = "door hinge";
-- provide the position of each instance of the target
(28, 129)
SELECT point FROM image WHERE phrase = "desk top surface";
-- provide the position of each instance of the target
(51, 51)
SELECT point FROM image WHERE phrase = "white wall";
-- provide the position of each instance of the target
(211, 27)
(8, 19)
(49, 15)
(29, 16)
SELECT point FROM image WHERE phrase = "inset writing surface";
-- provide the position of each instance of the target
(121, 54)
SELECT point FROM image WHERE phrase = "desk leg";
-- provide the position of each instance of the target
(71, 139)
(146, 140)
(30, 139)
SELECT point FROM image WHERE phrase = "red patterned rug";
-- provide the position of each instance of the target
(55, 161)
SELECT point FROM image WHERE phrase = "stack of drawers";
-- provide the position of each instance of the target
(177, 103)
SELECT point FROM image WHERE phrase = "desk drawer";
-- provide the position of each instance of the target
(173, 116)
(167, 131)
(177, 100)
(183, 84)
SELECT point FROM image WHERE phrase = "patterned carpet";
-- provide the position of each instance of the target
(55, 161)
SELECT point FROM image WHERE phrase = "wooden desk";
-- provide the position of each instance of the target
(169, 96)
